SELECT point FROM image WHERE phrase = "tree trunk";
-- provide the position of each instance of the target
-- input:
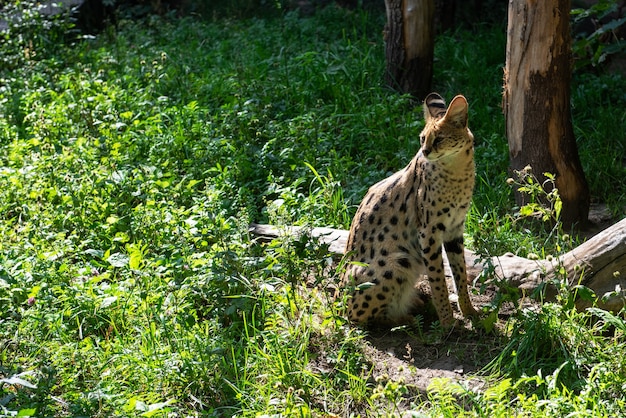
(537, 101)
(599, 263)
(409, 46)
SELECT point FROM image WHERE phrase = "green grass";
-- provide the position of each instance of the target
(133, 162)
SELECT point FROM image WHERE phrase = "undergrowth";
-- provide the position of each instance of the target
(133, 162)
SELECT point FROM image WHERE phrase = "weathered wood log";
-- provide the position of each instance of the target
(335, 238)
(599, 263)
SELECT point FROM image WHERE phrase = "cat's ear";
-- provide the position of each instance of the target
(457, 112)
(434, 106)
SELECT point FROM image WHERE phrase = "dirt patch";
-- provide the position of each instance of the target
(417, 355)
(400, 357)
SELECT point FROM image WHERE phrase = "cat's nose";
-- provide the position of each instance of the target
(425, 151)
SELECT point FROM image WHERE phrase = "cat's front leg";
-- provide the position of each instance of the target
(455, 251)
(433, 260)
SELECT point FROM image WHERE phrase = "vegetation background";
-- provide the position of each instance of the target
(134, 160)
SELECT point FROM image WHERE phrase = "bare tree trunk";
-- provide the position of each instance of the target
(537, 101)
(409, 46)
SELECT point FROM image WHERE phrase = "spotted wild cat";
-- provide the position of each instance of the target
(403, 222)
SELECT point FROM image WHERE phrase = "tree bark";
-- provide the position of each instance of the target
(409, 46)
(537, 101)
(599, 263)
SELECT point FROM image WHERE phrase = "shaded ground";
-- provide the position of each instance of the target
(402, 357)
(418, 357)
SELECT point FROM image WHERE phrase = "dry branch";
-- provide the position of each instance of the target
(599, 263)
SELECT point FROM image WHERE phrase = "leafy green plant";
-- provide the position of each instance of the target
(543, 208)
(598, 36)
(32, 37)
(392, 392)
(544, 341)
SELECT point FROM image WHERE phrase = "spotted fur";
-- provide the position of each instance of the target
(405, 220)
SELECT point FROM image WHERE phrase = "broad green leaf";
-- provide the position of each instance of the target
(154, 408)
(490, 321)
(118, 260)
(106, 302)
(585, 293)
(94, 253)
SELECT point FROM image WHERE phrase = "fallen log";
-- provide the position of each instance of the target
(598, 264)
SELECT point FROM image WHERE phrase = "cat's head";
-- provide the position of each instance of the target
(446, 132)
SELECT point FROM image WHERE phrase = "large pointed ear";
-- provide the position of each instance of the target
(434, 106)
(457, 112)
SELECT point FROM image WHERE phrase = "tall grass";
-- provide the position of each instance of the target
(132, 164)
